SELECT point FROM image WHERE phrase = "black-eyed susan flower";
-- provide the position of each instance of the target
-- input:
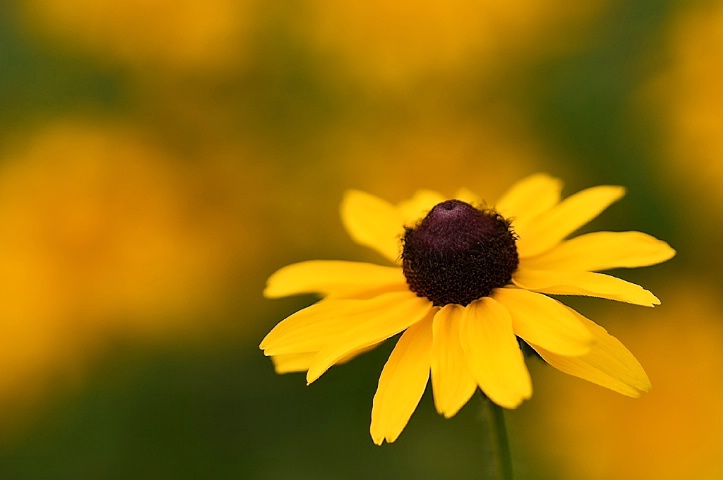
(466, 283)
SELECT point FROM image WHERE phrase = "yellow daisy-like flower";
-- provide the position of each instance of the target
(468, 282)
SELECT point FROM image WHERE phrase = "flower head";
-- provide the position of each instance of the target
(466, 284)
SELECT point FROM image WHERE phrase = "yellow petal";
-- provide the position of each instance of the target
(309, 329)
(603, 251)
(543, 321)
(492, 353)
(528, 198)
(384, 317)
(300, 362)
(293, 362)
(550, 227)
(608, 363)
(583, 283)
(417, 207)
(452, 382)
(328, 323)
(327, 277)
(372, 222)
(402, 382)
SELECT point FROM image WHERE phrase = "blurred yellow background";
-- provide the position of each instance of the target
(159, 159)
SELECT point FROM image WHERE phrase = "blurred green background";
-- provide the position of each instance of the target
(159, 159)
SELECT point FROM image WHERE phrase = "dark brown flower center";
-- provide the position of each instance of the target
(458, 254)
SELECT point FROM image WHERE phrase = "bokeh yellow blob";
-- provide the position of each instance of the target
(104, 237)
(397, 42)
(482, 157)
(670, 433)
(178, 34)
(688, 94)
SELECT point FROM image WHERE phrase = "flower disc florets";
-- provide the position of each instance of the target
(458, 254)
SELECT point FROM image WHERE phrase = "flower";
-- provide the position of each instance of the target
(468, 282)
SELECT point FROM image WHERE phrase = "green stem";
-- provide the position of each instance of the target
(498, 440)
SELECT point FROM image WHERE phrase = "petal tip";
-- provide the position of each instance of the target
(612, 192)
(619, 191)
(637, 389)
(447, 413)
(654, 301)
(669, 252)
(509, 403)
(636, 392)
(312, 375)
(350, 193)
(386, 438)
(379, 437)
(557, 183)
(543, 176)
(269, 292)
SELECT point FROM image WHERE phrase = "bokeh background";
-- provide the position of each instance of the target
(159, 159)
